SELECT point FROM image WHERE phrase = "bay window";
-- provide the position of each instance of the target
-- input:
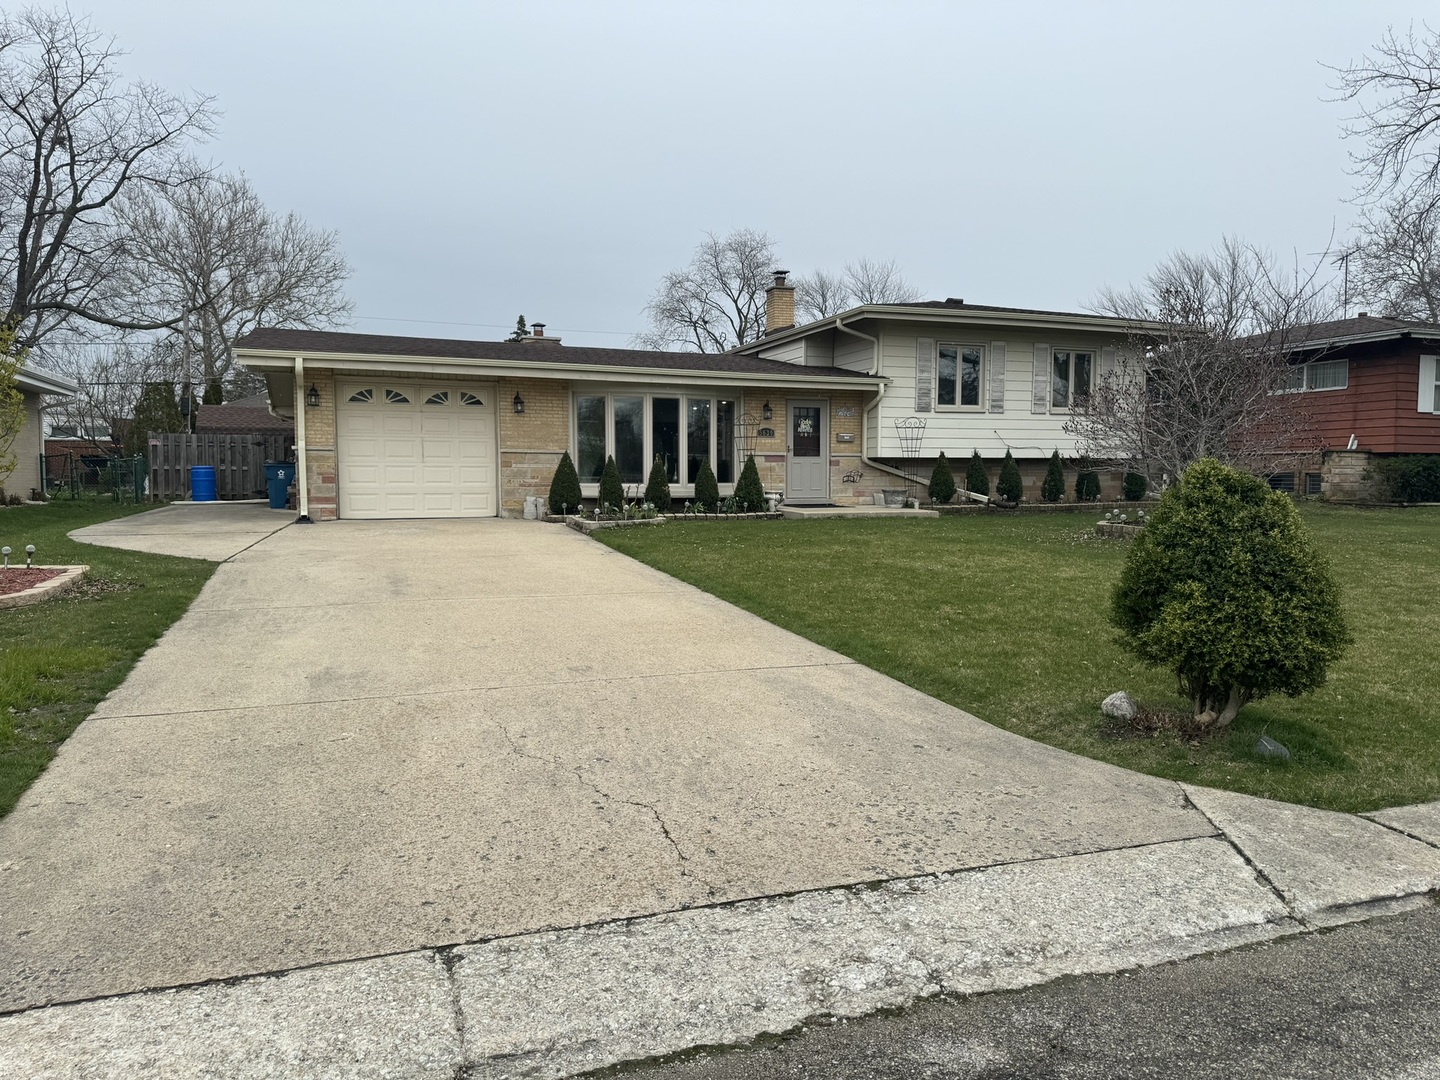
(683, 431)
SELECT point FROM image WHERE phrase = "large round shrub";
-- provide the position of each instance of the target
(1224, 588)
(942, 481)
(565, 494)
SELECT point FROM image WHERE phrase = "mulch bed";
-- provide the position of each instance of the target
(15, 579)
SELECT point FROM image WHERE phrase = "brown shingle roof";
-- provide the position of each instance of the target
(240, 419)
(1361, 326)
(303, 341)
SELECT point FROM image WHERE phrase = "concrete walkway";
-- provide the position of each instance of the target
(487, 794)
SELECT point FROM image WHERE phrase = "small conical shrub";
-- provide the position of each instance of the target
(976, 478)
(1087, 481)
(749, 492)
(1010, 488)
(612, 491)
(565, 494)
(1052, 488)
(707, 491)
(657, 488)
(942, 481)
(1134, 485)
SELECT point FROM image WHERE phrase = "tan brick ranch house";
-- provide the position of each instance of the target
(418, 427)
(35, 384)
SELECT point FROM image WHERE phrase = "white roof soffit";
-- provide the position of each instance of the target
(262, 360)
(39, 381)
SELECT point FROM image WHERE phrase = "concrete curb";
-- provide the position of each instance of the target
(46, 589)
(557, 1003)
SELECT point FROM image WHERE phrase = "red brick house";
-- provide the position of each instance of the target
(1373, 390)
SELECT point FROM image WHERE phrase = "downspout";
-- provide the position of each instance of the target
(879, 394)
(302, 474)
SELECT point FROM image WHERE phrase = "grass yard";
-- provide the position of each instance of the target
(60, 657)
(1004, 616)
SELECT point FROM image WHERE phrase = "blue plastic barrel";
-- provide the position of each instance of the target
(202, 483)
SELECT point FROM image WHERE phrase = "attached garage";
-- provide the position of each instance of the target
(415, 449)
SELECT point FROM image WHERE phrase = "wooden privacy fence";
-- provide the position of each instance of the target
(239, 462)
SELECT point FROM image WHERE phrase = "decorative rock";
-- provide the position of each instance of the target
(1119, 706)
(1271, 750)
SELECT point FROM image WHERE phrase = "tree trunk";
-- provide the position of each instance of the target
(1210, 713)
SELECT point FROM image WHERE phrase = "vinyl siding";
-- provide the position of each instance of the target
(790, 352)
(1378, 406)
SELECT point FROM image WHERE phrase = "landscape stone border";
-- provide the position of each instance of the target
(587, 526)
(46, 589)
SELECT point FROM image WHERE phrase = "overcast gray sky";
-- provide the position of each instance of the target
(481, 160)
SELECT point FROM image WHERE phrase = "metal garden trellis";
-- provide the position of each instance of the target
(911, 431)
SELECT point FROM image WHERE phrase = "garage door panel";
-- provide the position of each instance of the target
(427, 457)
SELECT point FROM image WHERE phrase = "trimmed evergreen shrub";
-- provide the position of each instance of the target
(1087, 481)
(942, 481)
(1134, 486)
(1224, 588)
(657, 487)
(612, 491)
(1411, 478)
(1010, 488)
(749, 492)
(707, 491)
(976, 478)
(1052, 488)
(565, 487)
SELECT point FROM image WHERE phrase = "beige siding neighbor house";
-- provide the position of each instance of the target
(35, 384)
(419, 427)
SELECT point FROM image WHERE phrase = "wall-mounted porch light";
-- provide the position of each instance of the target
(312, 397)
(766, 412)
(519, 402)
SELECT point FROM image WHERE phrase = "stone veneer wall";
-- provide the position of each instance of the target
(531, 442)
(320, 445)
(1346, 476)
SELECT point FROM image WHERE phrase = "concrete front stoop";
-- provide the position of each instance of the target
(562, 1002)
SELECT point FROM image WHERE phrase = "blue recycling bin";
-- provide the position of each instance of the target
(202, 483)
(279, 475)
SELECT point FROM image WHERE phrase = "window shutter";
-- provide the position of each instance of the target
(924, 373)
(1040, 380)
(1428, 376)
(997, 376)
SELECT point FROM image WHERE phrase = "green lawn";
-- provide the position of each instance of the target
(60, 657)
(1003, 615)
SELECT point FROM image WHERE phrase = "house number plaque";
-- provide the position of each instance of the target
(845, 410)
(766, 433)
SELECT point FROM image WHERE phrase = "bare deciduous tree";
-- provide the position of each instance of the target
(212, 248)
(1396, 260)
(874, 282)
(1207, 366)
(820, 295)
(716, 302)
(1397, 91)
(74, 136)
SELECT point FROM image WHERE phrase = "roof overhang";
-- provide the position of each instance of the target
(1340, 341)
(263, 360)
(961, 316)
(39, 381)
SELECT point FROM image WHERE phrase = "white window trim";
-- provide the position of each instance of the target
(678, 490)
(1306, 388)
(984, 366)
(1090, 351)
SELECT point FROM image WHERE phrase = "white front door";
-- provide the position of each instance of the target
(410, 450)
(807, 452)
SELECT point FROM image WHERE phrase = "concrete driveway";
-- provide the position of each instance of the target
(365, 738)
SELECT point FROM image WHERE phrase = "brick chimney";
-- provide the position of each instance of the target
(537, 333)
(779, 304)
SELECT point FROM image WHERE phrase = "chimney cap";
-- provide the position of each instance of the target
(1362, 315)
(954, 300)
(538, 329)
(780, 276)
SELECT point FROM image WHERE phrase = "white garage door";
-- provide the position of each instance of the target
(409, 450)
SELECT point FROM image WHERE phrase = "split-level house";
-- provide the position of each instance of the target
(835, 411)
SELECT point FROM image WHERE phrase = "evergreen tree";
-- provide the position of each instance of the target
(976, 478)
(521, 330)
(749, 492)
(612, 491)
(1052, 488)
(707, 491)
(1010, 488)
(1134, 486)
(214, 394)
(1224, 587)
(657, 488)
(565, 494)
(942, 481)
(157, 409)
(1087, 481)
